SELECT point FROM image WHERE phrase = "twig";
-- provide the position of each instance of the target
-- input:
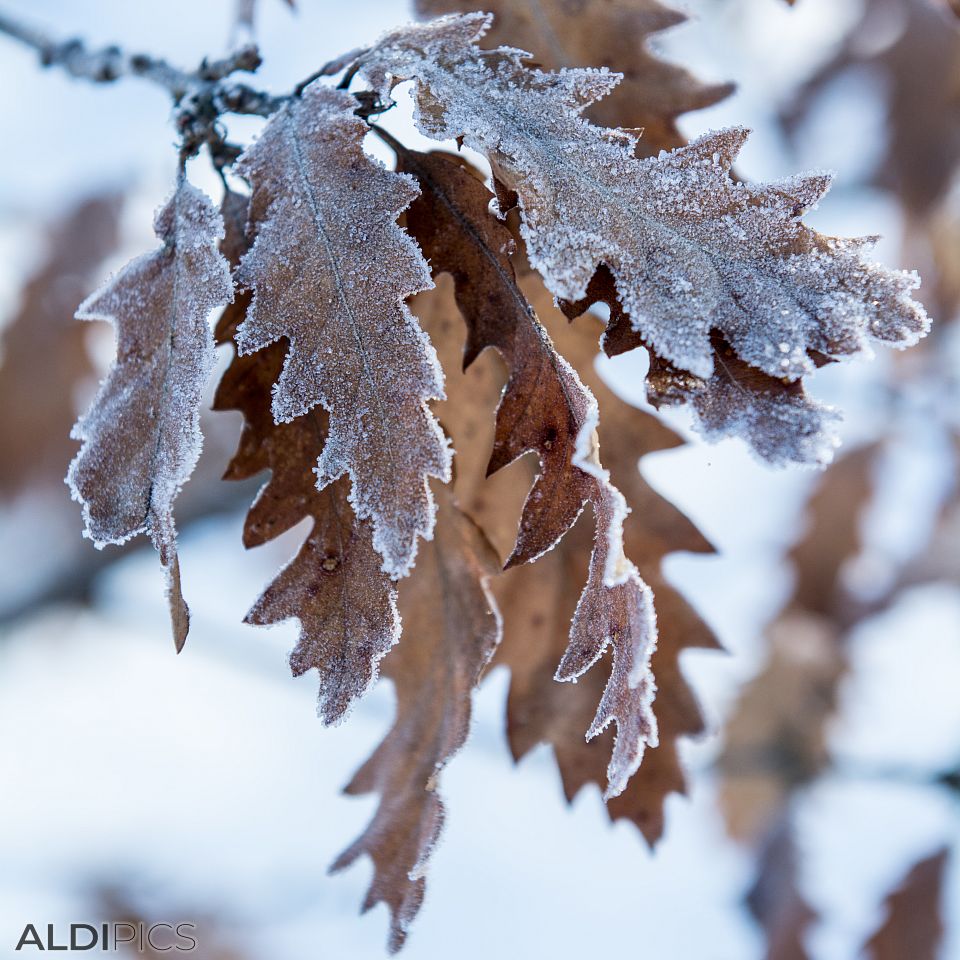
(201, 97)
(98, 66)
(332, 69)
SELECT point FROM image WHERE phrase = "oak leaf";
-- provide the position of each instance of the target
(334, 587)
(451, 629)
(330, 270)
(544, 405)
(691, 250)
(141, 436)
(545, 409)
(538, 600)
(653, 529)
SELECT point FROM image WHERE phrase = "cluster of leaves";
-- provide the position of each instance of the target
(348, 374)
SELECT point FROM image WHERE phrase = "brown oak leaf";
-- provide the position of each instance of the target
(538, 600)
(544, 405)
(451, 629)
(334, 587)
(545, 409)
(141, 437)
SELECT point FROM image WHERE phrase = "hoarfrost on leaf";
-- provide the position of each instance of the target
(141, 436)
(334, 587)
(691, 250)
(330, 270)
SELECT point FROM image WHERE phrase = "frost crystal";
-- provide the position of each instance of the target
(141, 436)
(329, 270)
(690, 249)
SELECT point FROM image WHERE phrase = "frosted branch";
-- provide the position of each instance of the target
(201, 96)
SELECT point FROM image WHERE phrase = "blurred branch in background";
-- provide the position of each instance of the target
(776, 741)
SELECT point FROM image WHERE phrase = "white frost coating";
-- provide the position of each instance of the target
(141, 436)
(690, 249)
(617, 568)
(780, 429)
(329, 270)
(615, 610)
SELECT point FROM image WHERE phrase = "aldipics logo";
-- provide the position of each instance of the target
(79, 937)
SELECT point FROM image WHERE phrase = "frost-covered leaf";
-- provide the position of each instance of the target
(691, 250)
(545, 409)
(603, 33)
(334, 586)
(653, 529)
(329, 270)
(776, 417)
(451, 629)
(141, 437)
(44, 358)
(913, 927)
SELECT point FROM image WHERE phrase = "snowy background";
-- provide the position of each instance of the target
(205, 784)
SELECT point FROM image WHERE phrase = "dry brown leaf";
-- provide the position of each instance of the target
(544, 406)
(545, 409)
(141, 437)
(538, 600)
(330, 269)
(690, 249)
(334, 587)
(44, 358)
(451, 629)
(913, 927)
(603, 33)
